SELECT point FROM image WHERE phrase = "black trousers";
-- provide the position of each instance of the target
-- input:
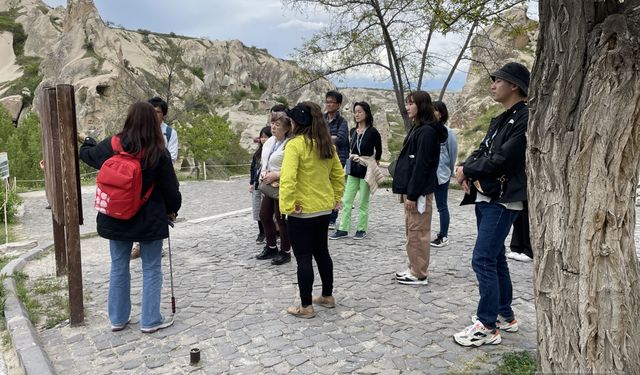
(309, 239)
(520, 239)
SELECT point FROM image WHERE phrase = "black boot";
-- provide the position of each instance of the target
(282, 258)
(267, 253)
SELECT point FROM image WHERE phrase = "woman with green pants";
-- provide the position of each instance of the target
(365, 143)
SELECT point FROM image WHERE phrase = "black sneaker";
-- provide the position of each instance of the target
(359, 235)
(440, 241)
(338, 234)
(260, 238)
(282, 258)
(267, 253)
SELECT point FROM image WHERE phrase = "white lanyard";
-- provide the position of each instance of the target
(359, 139)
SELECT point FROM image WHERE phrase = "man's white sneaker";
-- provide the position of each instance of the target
(501, 323)
(522, 257)
(511, 255)
(409, 279)
(477, 335)
(403, 273)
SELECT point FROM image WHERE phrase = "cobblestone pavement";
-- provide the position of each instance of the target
(232, 306)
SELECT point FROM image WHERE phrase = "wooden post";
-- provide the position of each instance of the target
(53, 173)
(72, 198)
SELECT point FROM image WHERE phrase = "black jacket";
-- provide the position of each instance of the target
(371, 143)
(417, 166)
(504, 156)
(150, 223)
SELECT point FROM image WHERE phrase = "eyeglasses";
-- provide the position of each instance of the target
(328, 102)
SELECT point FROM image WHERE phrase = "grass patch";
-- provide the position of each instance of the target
(517, 363)
(472, 366)
(44, 299)
(198, 72)
(282, 100)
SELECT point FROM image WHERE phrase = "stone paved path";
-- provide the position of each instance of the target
(232, 306)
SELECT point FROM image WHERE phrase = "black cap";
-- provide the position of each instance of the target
(301, 114)
(515, 73)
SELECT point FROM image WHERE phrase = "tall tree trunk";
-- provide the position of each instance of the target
(583, 159)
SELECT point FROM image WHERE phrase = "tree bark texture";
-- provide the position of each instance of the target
(583, 160)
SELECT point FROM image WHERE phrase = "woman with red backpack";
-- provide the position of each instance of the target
(160, 199)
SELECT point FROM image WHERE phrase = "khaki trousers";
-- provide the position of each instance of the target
(418, 231)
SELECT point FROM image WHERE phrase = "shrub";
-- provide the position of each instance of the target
(198, 72)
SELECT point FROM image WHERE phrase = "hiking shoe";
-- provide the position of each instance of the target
(282, 258)
(477, 335)
(403, 273)
(332, 225)
(338, 235)
(302, 312)
(267, 253)
(359, 235)
(135, 252)
(501, 323)
(119, 327)
(440, 241)
(166, 322)
(325, 301)
(409, 279)
(260, 238)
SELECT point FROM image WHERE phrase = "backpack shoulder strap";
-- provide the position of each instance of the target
(168, 133)
(116, 145)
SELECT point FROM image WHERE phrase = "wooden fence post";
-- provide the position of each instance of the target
(72, 198)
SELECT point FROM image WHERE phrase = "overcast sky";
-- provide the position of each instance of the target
(260, 23)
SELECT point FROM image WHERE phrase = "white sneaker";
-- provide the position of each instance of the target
(501, 323)
(477, 335)
(409, 279)
(511, 255)
(403, 273)
(166, 322)
(522, 257)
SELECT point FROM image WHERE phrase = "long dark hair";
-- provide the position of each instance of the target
(368, 121)
(266, 131)
(422, 99)
(316, 134)
(442, 108)
(141, 132)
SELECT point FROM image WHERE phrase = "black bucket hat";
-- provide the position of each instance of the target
(301, 114)
(515, 73)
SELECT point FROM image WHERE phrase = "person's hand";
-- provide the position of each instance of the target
(172, 216)
(271, 177)
(298, 208)
(251, 188)
(460, 174)
(338, 206)
(81, 137)
(465, 186)
(42, 164)
(409, 205)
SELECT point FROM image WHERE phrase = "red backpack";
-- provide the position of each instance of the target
(119, 184)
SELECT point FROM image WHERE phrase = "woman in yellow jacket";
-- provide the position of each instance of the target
(311, 186)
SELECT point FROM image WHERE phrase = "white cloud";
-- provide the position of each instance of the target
(299, 24)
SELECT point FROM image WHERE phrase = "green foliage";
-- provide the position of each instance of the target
(45, 297)
(198, 72)
(8, 23)
(25, 150)
(31, 305)
(258, 90)
(517, 363)
(12, 209)
(209, 139)
(239, 95)
(31, 78)
(471, 135)
(282, 100)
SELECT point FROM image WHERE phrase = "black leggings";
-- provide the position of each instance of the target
(309, 238)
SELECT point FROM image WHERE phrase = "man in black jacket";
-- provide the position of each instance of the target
(493, 178)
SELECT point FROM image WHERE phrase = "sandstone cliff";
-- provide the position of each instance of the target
(111, 67)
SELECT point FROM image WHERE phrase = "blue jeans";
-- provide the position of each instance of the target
(490, 264)
(120, 282)
(441, 193)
